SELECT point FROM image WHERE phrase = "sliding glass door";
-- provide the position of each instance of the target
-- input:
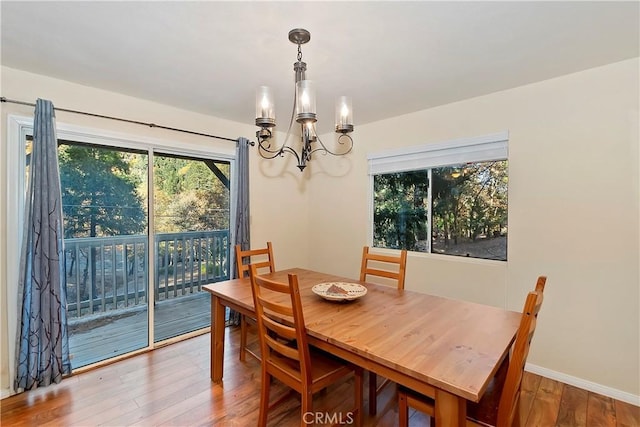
(105, 225)
(191, 224)
(137, 249)
(146, 226)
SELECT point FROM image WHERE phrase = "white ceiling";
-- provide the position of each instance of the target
(391, 57)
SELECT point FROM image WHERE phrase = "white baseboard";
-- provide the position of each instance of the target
(5, 392)
(585, 384)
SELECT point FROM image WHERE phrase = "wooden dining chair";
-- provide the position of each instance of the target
(262, 259)
(286, 354)
(391, 269)
(499, 405)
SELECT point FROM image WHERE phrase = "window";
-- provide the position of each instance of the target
(448, 198)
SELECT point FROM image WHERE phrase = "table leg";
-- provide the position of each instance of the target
(217, 339)
(451, 410)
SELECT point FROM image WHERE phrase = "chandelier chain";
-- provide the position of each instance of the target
(299, 53)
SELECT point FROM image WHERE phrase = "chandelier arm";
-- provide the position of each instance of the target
(324, 148)
(265, 146)
(291, 151)
(271, 154)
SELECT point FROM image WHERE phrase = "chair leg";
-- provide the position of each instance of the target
(243, 337)
(516, 415)
(373, 396)
(306, 407)
(264, 399)
(403, 410)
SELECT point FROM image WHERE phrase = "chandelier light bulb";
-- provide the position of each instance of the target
(265, 108)
(344, 113)
(305, 102)
(304, 98)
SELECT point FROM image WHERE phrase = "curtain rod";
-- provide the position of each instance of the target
(152, 125)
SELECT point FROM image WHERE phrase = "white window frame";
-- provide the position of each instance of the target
(18, 128)
(438, 154)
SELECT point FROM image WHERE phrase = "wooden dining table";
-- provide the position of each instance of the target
(443, 348)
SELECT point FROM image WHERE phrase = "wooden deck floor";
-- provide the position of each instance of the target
(106, 337)
(170, 386)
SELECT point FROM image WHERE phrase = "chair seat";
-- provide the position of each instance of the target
(325, 369)
(484, 413)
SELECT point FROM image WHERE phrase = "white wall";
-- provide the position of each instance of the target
(573, 216)
(573, 206)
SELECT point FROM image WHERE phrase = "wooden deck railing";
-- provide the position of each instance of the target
(110, 273)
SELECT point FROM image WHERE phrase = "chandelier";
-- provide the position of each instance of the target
(304, 114)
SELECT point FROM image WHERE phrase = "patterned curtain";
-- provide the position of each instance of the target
(242, 232)
(241, 184)
(42, 349)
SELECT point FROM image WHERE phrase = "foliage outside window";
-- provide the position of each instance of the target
(101, 190)
(458, 209)
(105, 190)
(188, 196)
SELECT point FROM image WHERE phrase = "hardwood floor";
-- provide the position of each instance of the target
(171, 387)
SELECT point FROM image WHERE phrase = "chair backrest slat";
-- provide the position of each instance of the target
(372, 265)
(261, 258)
(281, 324)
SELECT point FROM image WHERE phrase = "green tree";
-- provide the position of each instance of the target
(99, 196)
(469, 201)
(400, 215)
(189, 196)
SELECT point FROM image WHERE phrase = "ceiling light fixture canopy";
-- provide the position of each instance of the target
(304, 113)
